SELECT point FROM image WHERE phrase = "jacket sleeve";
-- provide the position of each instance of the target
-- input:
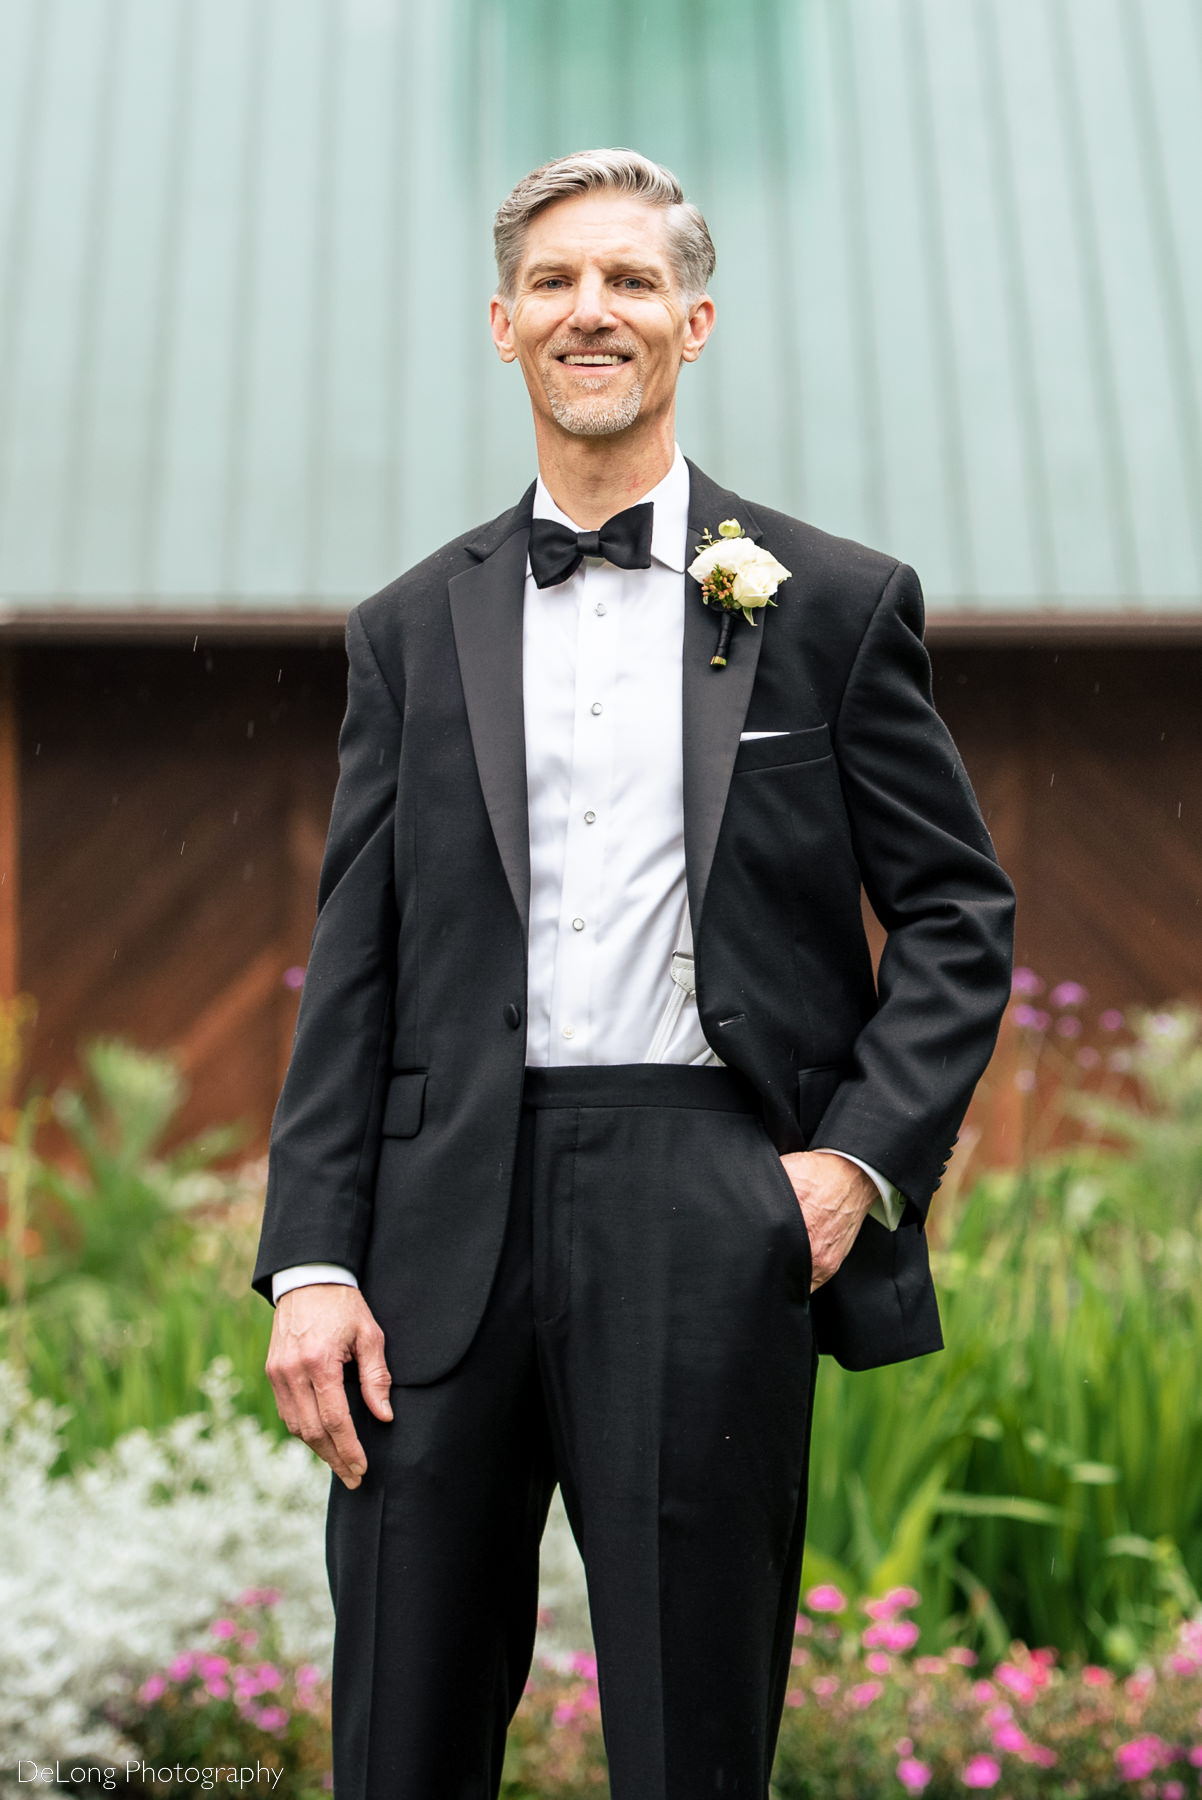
(930, 871)
(324, 1143)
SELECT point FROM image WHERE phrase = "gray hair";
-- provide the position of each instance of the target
(622, 172)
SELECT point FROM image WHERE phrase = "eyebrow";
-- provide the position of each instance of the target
(555, 266)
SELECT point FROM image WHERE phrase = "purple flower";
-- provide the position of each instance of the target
(152, 1689)
(181, 1667)
(223, 1628)
(294, 978)
(1029, 1017)
(1111, 1019)
(1068, 993)
(1025, 981)
(912, 1774)
(273, 1718)
(982, 1772)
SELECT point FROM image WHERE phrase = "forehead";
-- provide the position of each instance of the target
(602, 226)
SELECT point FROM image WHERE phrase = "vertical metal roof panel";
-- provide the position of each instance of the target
(245, 263)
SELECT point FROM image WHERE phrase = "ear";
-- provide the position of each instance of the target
(502, 329)
(701, 323)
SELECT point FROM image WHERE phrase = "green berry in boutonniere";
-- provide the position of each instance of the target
(736, 575)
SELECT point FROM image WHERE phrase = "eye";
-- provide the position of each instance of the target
(551, 281)
(632, 281)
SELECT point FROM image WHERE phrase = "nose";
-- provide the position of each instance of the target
(592, 309)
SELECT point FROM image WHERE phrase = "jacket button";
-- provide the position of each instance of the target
(512, 1016)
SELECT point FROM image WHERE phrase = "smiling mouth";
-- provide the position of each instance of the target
(582, 360)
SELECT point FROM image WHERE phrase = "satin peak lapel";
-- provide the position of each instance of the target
(486, 616)
(715, 701)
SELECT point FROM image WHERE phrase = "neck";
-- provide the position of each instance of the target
(591, 479)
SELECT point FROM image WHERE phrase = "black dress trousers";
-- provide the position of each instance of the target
(646, 1345)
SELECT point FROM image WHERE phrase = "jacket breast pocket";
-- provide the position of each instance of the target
(403, 1104)
(782, 748)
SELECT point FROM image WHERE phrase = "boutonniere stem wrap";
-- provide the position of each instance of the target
(737, 576)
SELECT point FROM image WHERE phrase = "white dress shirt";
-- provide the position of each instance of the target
(602, 676)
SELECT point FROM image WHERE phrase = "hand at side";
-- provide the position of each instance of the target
(315, 1331)
(834, 1196)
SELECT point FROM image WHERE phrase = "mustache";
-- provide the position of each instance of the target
(612, 347)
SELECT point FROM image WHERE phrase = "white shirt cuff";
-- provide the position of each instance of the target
(305, 1274)
(890, 1204)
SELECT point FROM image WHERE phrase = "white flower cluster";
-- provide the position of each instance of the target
(757, 573)
(107, 1573)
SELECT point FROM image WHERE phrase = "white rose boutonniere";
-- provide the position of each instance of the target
(736, 575)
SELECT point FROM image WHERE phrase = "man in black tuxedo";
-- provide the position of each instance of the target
(597, 1128)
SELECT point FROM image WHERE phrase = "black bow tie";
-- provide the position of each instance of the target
(556, 550)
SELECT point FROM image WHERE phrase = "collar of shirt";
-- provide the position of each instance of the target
(670, 528)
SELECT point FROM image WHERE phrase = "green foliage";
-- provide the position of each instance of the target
(1042, 1476)
(131, 1292)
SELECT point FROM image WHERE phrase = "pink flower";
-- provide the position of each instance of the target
(181, 1667)
(1140, 1685)
(258, 1597)
(223, 1628)
(959, 1653)
(217, 1687)
(581, 1663)
(248, 1639)
(212, 1666)
(1068, 993)
(1039, 1754)
(982, 1772)
(904, 1746)
(1024, 1683)
(799, 1658)
(878, 1663)
(930, 1665)
(901, 1634)
(269, 1677)
(1045, 1656)
(273, 1718)
(1111, 1019)
(294, 978)
(152, 1689)
(795, 1697)
(913, 1774)
(1194, 1757)
(1093, 1676)
(826, 1598)
(1173, 1790)
(826, 1685)
(1025, 981)
(1088, 1057)
(1068, 1025)
(1009, 1736)
(1178, 1663)
(983, 1691)
(803, 1627)
(865, 1693)
(1028, 1018)
(1142, 1757)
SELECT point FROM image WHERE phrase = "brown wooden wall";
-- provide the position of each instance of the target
(173, 806)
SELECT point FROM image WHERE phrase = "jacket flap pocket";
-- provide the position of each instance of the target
(815, 1088)
(783, 747)
(403, 1106)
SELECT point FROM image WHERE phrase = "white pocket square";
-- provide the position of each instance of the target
(744, 735)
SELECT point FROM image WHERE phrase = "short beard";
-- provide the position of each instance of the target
(596, 417)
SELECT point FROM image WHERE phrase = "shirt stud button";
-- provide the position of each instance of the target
(590, 818)
(600, 607)
(577, 924)
(569, 1031)
(512, 1016)
(595, 707)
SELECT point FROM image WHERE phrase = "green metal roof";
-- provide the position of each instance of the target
(244, 267)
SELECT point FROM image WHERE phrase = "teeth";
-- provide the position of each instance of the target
(588, 362)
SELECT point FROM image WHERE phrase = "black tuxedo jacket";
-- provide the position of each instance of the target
(393, 1140)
